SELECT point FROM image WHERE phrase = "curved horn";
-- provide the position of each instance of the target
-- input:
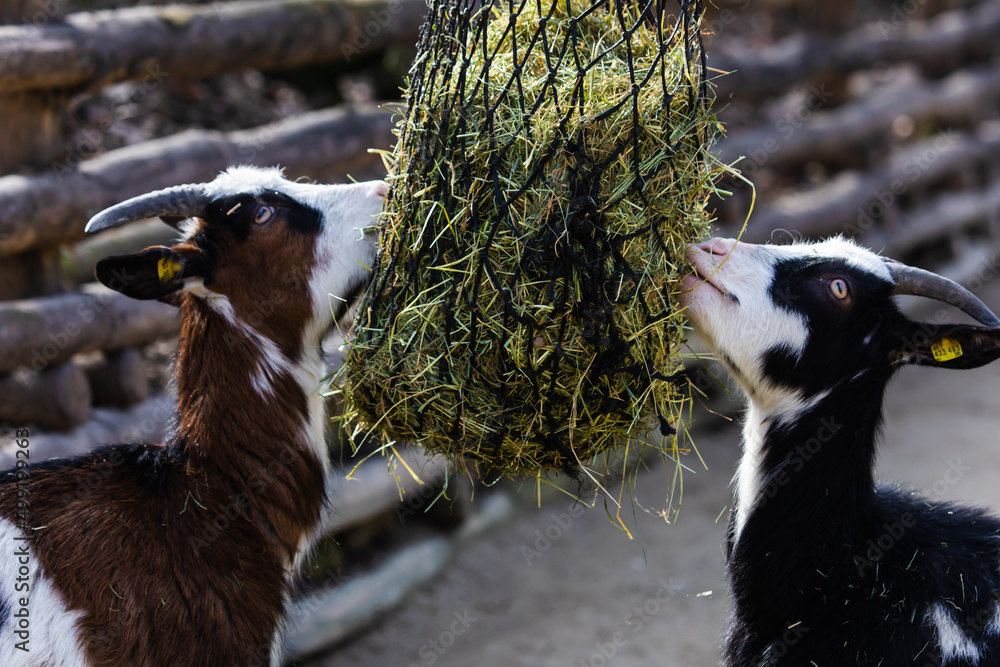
(181, 200)
(910, 280)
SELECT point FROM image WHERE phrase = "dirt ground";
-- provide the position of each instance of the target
(591, 597)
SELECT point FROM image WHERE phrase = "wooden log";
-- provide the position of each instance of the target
(943, 217)
(32, 119)
(839, 134)
(30, 12)
(146, 422)
(940, 219)
(324, 618)
(32, 134)
(91, 49)
(118, 379)
(57, 398)
(37, 272)
(841, 205)
(49, 209)
(948, 40)
(332, 614)
(37, 333)
(372, 490)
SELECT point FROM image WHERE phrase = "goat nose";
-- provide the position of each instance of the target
(718, 246)
(381, 188)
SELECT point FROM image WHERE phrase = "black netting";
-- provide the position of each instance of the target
(551, 166)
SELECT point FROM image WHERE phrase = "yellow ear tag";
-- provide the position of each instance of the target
(946, 349)
(167, 268)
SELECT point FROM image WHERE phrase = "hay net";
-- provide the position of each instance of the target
(552, 163)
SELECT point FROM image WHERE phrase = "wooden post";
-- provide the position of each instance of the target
(32, 135)
(35, 13)
(36, 272)
(56, 398)
(49, 331)
(119, 379)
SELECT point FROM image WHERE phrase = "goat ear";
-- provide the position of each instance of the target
(155, 273)
(953, 346)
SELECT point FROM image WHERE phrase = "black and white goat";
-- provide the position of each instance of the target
(180, 554)
(826, 567)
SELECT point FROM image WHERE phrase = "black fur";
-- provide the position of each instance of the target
(829, 569)
(235, 213)
(229, 219)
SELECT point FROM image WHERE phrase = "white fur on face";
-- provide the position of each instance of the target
(345, 255)
(730, 303)
(345, 251)
(53, 635)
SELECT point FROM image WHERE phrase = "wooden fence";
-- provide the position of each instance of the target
(887, 130)
(45, 321)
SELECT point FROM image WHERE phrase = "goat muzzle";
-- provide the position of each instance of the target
(918, 282)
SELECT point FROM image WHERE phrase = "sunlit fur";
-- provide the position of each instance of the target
(181, 553)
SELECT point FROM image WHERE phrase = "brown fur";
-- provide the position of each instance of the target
(179, 554)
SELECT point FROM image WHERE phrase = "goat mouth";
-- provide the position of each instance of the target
(704, 271)
(697, 280)
(350, 299)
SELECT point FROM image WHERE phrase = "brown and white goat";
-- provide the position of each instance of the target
(181, 554)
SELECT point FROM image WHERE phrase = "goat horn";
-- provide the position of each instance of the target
(182, 201)
(910, 280)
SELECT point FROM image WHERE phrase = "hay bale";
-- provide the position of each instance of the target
(551, 167)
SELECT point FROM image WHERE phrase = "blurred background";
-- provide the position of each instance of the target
(875, 119)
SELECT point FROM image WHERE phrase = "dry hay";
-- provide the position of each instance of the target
(523, 311)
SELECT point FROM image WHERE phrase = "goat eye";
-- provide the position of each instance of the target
(840, 289)
(263, 214)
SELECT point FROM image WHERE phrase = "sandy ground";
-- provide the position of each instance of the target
(590, 597)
